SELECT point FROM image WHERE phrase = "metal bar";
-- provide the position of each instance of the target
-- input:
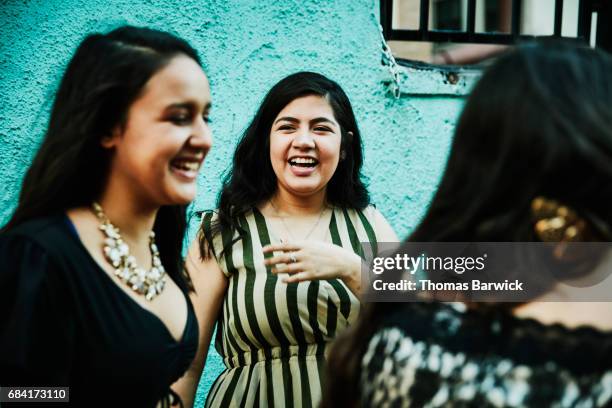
(584, 20)
(459, 36)
(517, 6)
(386, 17)
(558, 17)
(604, 26)
(471, 16)
(424, 21)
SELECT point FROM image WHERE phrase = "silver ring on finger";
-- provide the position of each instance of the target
(292, 257)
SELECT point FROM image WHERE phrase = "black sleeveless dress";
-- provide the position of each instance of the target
(64, 322)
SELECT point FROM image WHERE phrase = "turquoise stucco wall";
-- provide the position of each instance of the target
(247, 46)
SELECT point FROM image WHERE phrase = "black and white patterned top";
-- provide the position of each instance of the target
(440, 355)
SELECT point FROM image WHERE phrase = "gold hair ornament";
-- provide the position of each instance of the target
(557, 223)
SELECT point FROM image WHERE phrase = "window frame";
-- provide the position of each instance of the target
(424, 34)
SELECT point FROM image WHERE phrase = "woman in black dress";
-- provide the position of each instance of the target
(531, 161)
(92, 290)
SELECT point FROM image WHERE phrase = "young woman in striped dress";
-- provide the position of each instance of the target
(280, 258)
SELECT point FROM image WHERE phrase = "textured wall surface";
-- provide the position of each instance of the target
(246, 46)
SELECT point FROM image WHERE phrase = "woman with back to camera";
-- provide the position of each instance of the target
(280, 257)
(531, 161)
(93, 291)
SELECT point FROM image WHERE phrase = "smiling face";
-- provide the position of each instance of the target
(161, 147)
(305, 145)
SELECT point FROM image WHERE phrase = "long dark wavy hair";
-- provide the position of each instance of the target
(106, 74)
(538, 123)
(252, 180)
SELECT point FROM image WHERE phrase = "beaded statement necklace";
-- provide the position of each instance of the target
(149, 283)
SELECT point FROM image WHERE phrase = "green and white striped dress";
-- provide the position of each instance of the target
(273, 336)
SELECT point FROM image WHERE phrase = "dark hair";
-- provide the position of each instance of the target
(252, 179)
(106, 74)
(538, 123)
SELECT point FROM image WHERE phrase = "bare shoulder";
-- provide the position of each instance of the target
(82, 218)
(569, 314)
(384, 231)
